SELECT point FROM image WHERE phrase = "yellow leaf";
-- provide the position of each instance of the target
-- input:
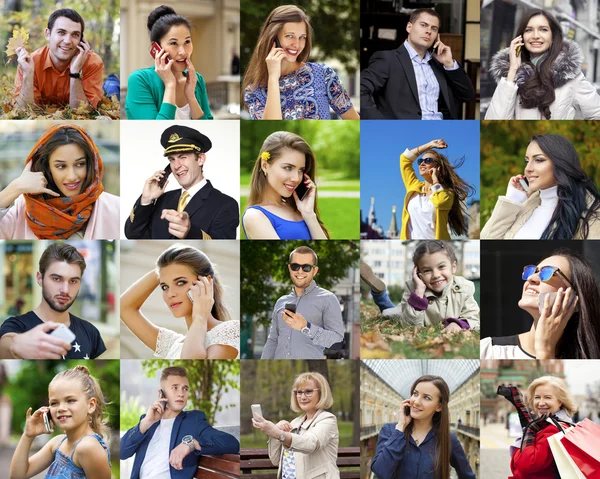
(19, 39)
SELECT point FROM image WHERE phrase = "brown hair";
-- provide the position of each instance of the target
(431, 247)
(173, 371)
(200, 265)
(91, 389)
(305, 250)
(451, 181)
(256, 74)
(414, 16)
(275, 144)
(60, 252)
(441, 423)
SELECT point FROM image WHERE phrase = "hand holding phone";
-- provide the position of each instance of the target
(290, 307)
(256, 409)
(161, 395)
(524, 184)
(276, 40)
(154, 49)
(48, 424)
(163, 180)
(64, 333)
(302, 189)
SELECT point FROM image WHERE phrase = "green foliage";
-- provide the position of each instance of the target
(336, 144)
(265, 276)
(209, 379)
(335, 25)
(29, 387)
(503, 146)
(131, 410)
(395, 292)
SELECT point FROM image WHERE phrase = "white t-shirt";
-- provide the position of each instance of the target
(156, 461)
(183, 113)
(422, 215)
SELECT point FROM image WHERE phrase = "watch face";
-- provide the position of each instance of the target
(187, 438)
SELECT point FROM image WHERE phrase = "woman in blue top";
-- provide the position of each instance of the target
(75, 406)
(172, 89)
(420, 445)
(274, 210)
(280, 83)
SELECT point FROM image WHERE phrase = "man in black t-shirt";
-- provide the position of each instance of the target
(26, 337)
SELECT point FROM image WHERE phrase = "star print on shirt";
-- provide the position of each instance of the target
(77, 347)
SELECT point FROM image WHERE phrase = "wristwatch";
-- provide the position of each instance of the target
(306, 329)
(188, 441)
(75, 75)
(282, 437)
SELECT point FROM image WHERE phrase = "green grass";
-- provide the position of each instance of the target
(383, 337)
(341, 216)
(258, 440)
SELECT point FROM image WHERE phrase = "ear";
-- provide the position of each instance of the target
(408, 27)
(454, 267)
(92, 405)
(439, 408)
(316, 271)
(201, 159)
(38, 277)
(47, 34)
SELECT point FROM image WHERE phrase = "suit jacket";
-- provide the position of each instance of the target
(211, 212)
(212, 442)
(388, 88)
(103, 222)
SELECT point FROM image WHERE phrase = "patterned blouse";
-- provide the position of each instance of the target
(306, 94)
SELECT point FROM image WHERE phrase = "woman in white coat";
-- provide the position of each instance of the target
(307, 447)
(539, 76)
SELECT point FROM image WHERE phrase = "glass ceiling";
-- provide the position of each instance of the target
(400, 374)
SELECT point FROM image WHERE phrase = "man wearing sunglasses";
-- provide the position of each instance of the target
(315, 324)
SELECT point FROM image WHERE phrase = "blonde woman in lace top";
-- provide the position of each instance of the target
(191, 290)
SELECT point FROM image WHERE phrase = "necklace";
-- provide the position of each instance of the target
(417, 441)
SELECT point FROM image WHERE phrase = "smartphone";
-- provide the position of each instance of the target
(161, 395)
(256, 409)
(165, 177)
(190, 295)
(407, 411)
(64, 333)
(301, 190)
(524, 183)
(290, 307)
(155, 48)
(504, 391)
(542, 297)
(276, 40)
(518, 51)
(48, 424)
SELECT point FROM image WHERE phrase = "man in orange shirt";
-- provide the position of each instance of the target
(64, 71)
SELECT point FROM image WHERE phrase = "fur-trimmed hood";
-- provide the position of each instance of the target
(567, 65)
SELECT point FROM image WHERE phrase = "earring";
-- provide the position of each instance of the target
(265, 173)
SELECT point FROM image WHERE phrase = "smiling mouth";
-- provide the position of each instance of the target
(72, 186)
(291, 51)
(174, 305)
(536, 44)
(289, 187)
(62, 418)
(416, 410)
(180, 174)
(438, 282)
(531, 292)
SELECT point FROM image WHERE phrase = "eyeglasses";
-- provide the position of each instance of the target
(305, 267)
(427, 160)
(544, 273)
(307, 392)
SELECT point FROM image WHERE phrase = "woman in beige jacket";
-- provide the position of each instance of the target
(555, 199)
(307, 447)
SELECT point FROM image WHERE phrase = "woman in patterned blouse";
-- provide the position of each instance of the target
(280, 82)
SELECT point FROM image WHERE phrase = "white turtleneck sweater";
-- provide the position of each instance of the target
(539, 220)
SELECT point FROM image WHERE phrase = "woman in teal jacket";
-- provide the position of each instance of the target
(171, 89)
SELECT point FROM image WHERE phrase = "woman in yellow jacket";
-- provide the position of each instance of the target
(436, 204)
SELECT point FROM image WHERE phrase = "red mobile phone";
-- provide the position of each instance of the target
(164, 179)
(154, 49)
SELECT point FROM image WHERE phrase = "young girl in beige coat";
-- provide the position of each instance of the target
(307, 447)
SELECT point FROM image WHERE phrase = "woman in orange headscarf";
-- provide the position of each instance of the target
(60, 195)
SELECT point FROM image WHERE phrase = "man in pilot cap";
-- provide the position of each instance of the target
(197, 210)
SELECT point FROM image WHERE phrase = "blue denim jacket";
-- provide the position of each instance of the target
(395, 458)
(212, 442)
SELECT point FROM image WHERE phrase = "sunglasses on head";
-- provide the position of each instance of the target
(544, 273)
(305, 267)
(427, 161)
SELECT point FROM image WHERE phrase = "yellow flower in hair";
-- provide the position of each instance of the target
(265, 155)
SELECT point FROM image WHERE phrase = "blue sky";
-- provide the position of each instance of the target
(382, 142)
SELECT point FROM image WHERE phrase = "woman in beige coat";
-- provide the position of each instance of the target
(307, 447)
(555, 199)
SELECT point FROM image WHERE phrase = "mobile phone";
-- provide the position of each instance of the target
(161, 395)
(301, 190)
(542, 297)
(518, 51)
(256, 409)
(64, 333)
(407, 411)
(190, 295)
(524, 183)
(504, 391)
(165, 177)
(276, 40)
(155, 48)
(290, 307)
(432, 49)
(48, 424)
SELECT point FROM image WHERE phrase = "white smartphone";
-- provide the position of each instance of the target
(256, 409)
(524, 184)
(64, 333)
(190, 295)
(542, 297)
(47, 422)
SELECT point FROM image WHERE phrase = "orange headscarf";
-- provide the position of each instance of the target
(59, 218)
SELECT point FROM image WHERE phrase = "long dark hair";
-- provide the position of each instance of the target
(441, 424)
(538, 91)
(574, 189)
(63, 136)
(451, 181)
(581, 337)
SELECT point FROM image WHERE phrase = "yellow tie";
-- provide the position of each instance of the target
(182, 201)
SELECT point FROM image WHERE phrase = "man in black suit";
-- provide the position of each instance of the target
(411, 83)
(197, 210)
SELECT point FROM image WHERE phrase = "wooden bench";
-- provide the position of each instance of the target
(226, 466)
(256, 461)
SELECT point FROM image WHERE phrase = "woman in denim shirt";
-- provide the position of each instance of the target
(420, 445)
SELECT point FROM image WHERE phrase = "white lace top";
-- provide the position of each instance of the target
(169, 343)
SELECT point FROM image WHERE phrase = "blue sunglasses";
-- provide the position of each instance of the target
(427, 161)
(544, 273)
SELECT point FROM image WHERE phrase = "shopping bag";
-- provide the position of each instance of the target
(582, 443)
(564, 463)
